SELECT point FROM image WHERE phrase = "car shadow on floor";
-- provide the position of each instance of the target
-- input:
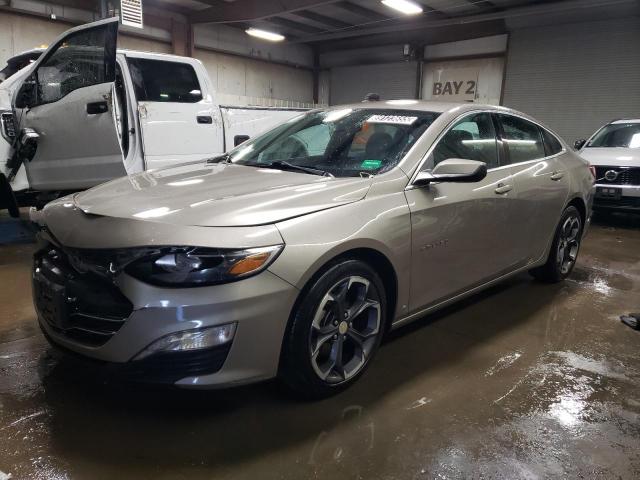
(122, 425)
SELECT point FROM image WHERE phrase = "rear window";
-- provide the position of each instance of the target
(523, 139)
(626, 135)
(161, 81)
(551, 144)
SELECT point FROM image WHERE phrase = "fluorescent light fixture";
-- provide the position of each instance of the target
(404, 6)
(265, 35)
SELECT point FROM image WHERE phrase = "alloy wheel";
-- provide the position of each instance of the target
(344, 329)
(568, 244)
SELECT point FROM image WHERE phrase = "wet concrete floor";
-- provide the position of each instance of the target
(525, 380)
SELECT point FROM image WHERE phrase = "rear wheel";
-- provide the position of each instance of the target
(335, 331)
(564, 249)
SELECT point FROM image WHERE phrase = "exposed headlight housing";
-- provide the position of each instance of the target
(197, 266)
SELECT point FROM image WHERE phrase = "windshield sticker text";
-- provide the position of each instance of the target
(394, 119)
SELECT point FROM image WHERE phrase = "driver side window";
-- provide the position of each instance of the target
(471, 138)
(80, 61)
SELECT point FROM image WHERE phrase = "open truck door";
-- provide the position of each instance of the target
(68, 137)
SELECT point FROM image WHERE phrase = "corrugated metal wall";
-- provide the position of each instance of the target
(575, 77)
(390, 80)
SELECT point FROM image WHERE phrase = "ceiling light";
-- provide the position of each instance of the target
(265, 35)
(404, 6)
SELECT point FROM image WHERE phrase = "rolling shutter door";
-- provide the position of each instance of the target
(575, 77)
(390, 80)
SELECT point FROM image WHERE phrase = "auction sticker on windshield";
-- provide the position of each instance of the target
(394, 119)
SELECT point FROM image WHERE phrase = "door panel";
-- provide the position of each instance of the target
(72, 111)
(76, 150)
(179, 121)
(540, 179)
(543, 187)
(462, 235)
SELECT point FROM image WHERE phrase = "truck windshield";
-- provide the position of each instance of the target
(340, 142)
(622, 134)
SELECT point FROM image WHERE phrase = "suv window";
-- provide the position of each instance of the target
(523, 139)
(472, 138)
(161, 81)
(81, 61)
(551, 144)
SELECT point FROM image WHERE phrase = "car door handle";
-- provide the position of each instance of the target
(502, 188)
(206, 119)
(557, 176)
(95, 108)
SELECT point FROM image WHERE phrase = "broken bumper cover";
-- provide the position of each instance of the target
(123, 321)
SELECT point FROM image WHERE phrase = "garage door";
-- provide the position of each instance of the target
(575, 77)
(390, 80)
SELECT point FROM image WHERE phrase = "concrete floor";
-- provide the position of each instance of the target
(523, 381)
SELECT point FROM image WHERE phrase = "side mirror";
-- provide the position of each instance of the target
(578, 144)
(455, 170)
(26, 96)
(238, 139)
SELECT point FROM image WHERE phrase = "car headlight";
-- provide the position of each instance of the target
(197, 266)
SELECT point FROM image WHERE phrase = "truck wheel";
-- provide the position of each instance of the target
(564, 249)
(7, 198)
(335, 331)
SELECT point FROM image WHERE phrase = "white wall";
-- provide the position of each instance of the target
(242, 81)
(21, 32)
(238, 80)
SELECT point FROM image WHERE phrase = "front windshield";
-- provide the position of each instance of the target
(624, 134)
(342, 143)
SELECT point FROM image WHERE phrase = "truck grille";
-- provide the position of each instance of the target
(7, 126)
(622, 175)
(80, 306)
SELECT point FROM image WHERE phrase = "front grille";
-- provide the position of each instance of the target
(7, 126)
(623, 175)
(83, 307)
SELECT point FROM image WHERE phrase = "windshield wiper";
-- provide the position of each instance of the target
(224, 158)
(299, 168)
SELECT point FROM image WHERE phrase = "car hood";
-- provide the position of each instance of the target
(614, 157)
(219, 195)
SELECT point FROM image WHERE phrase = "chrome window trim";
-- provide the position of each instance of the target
(470, 112)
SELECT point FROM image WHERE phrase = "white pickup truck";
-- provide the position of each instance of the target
(84, 113)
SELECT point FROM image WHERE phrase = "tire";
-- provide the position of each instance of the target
(341, 316)
(564, 248)
(7, 198)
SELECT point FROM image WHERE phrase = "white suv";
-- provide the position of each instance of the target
(614, 151)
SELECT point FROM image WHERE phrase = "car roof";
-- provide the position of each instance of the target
(626, 120)
(425, 106)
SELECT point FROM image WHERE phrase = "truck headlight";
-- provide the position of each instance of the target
(196, 266)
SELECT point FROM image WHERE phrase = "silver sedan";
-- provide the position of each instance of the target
(293, 254)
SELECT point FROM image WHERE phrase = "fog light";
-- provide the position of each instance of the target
(191, 340)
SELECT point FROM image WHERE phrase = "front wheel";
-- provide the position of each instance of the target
(335, 331)
(564, 249)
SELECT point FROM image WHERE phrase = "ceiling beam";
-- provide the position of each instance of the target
(316, 17)
(537, 9)
(301, 27)
(248, 10)
(361, 11)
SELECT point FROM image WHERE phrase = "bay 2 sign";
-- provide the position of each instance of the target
(459, 84)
